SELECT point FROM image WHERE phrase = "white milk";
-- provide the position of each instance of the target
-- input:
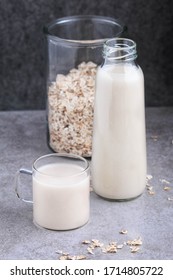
(59, 203)
(119, 146)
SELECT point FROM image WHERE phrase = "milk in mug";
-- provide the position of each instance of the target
(60, 198)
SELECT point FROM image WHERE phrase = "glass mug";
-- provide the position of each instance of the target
(61, 190)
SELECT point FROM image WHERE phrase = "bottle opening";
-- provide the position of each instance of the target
(120, 49)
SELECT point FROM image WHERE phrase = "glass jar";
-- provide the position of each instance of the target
(74, 50)
(119, 140)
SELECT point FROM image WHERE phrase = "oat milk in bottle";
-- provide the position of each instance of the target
(119, 141)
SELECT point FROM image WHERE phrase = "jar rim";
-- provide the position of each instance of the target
(47, 29)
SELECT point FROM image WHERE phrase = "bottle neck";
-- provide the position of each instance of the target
(119, 50)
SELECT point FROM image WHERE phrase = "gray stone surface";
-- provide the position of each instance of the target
(23, 139)
(22, 52)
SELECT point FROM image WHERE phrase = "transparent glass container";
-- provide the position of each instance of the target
(119, 139)
(74, 50)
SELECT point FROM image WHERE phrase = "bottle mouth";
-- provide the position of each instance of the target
(120, 49)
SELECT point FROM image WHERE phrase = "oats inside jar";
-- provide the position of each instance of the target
(70, 110)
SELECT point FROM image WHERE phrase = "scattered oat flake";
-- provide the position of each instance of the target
(68, 257)
(123, 231)
(113, 243)
(120, 246)
(149, 177)
(86, 242)
(134, 249)
(90, 250)
(65, 253)
(151, 192)
(166, 188)
(59, 252)
(111, 248)
(81, 257)
(149, 188)
(135, 242)
(164, 181)
(170, 198)
(63, 258)
(96, 243)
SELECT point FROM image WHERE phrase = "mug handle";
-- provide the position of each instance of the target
(17, 177)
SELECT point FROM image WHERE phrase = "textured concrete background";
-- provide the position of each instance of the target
(22, 56)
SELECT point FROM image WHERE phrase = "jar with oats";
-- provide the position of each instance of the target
(74, 50)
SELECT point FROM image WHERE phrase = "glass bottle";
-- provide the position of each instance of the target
(119, 140)
(74, 50)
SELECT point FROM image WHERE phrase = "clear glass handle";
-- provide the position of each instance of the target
(17, 178)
